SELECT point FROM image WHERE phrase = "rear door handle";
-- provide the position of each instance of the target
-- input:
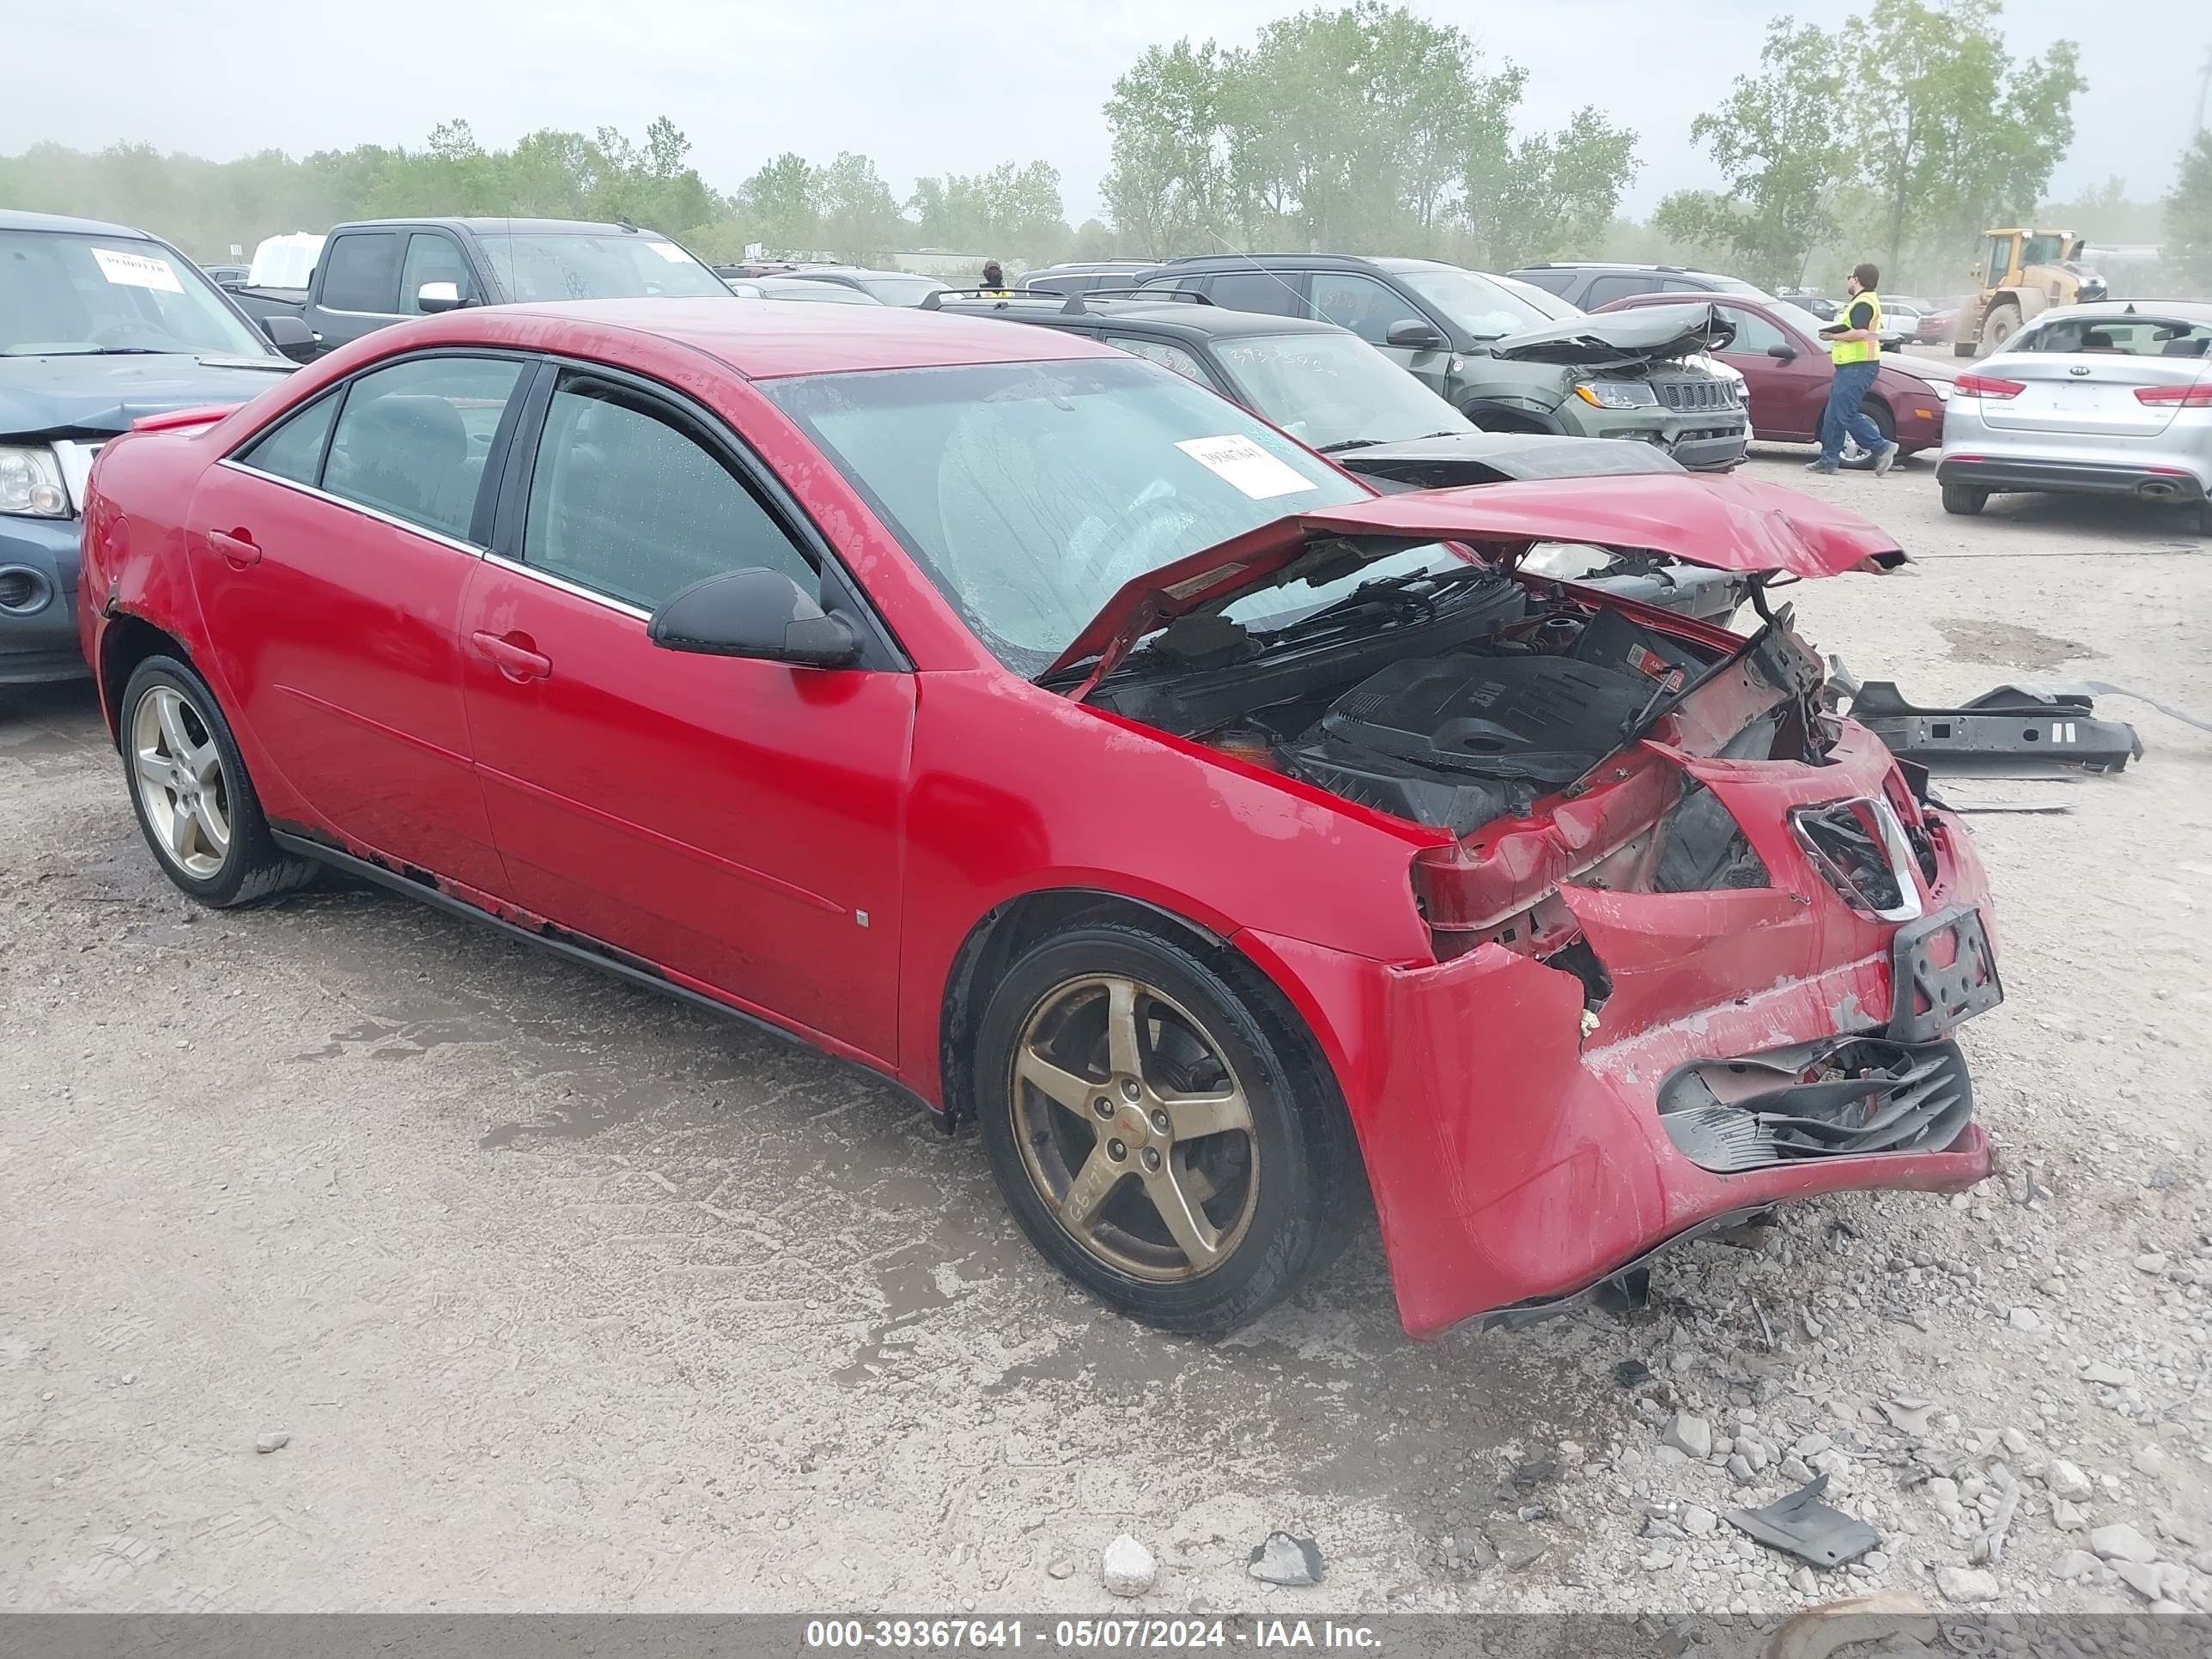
(237, 547)
(517, 662)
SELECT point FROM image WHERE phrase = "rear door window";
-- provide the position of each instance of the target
(362, 272)
(413, 437)
(1278, 293)
(1604, 290)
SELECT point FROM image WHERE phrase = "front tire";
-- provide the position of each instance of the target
(1966, 500)
(1160, 1132)
(189, 789)
(1998, 328)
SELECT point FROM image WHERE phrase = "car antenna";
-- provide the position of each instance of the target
(622, 222)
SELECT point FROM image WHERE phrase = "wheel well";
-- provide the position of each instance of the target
(996, 942)
(1498, 417)
(127, 641)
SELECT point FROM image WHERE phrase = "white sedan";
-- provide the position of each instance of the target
(2113, 399)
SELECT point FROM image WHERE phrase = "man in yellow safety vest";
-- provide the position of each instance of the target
(1855, 347)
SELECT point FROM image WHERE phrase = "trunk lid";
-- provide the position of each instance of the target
(2086, 394)
(1725, 523)
(1642, 334)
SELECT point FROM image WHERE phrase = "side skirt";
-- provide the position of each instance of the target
(573, 947)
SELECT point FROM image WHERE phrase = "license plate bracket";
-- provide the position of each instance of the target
(1954, 992)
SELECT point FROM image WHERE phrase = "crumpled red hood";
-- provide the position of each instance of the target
(1725, 522)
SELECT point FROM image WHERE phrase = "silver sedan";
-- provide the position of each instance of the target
(2113, 399)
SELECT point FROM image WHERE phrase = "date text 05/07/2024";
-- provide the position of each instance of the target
(1090, 1635)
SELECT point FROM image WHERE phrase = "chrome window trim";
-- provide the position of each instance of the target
(366, 511)
(623, 607)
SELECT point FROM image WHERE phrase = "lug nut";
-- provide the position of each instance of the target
(1151, 1158)
(1160, 1122)
(1129, 1089)
(1102, 1106)
(1116, 1150)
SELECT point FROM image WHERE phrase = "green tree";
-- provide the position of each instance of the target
(1169, 179)
(1554, 200)
(1774, 140)
(1947, 132)
(859, 217)
(779, 206)
(2187, 254)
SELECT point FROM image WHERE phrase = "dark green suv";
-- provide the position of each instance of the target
(1508, 358)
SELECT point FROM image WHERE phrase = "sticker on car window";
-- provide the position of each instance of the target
(137, 270)
(670, 251)
(1237, 460)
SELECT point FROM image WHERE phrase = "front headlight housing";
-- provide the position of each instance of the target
(31, 483)
(1942, 389)
(1617, 394)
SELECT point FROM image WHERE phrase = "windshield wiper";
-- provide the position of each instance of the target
(1395, 591)
(1343, 444)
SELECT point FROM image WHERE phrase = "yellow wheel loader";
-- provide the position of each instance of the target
(2021, 274)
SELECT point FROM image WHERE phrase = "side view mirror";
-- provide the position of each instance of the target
(434, 297)
(757, 613)
(290, 335)
(1784, 353)
(1412, 334)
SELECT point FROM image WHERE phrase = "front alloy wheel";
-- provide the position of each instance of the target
(1133, 1130)
(177, 768)
(1161, 1126)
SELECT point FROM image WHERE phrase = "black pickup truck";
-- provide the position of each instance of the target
(375, 272)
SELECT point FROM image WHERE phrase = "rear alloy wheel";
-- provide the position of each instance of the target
(188, 786)
(1149, 1135)
(1964, 499)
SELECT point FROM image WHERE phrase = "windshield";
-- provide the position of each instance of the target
(62, 293)
(1550, 304)
(901, 290)
(1484, 309)
(2042, 251)
(1330, 389)
(569, 265)
(1028, 493)
(800, 287)
(1797, 316)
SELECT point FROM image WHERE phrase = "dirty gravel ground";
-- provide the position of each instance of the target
(569, 1298)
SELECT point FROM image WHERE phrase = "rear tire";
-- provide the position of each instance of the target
(1257, 1143)
(1965, 500)
(189, 789)
(2204, 517)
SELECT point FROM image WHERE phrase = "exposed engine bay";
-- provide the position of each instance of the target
(1456, 699)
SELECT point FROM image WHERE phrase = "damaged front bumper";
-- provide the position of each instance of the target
(1519, 1156)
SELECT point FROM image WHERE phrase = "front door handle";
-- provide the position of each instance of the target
(236, 547)
(513, 659)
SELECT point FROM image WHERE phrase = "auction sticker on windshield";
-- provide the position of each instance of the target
(1237, 460)
(137, 270)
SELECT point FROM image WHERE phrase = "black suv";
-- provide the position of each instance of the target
(1508, 360)
(1324, 387)
(1589, 284)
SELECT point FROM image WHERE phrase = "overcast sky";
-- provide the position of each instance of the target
(924, 86)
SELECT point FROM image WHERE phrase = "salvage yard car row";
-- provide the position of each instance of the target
(1012, 711)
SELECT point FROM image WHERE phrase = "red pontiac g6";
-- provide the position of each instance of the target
(1016, 719)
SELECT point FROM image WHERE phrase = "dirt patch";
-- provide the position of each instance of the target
(1979, 640)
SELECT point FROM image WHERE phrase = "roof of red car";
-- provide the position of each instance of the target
(764, 339)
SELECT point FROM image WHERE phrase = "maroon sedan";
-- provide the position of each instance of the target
(1009, 715)
(1778, 350)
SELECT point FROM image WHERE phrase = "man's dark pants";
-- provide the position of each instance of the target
(1844, 415)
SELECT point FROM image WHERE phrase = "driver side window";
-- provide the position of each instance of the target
(629, 499)
(1755, 335)
(1360, 304)
(433, 257)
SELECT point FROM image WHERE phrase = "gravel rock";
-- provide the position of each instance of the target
(1518, 1546)
(1282, 1559)
(2066, 1480)
(2075, 1563)
(2122, 1542)
(2107, 1376)
(2150, 1581)
(1794, 1472)
(1802, 1580)
(1966, 1585)
(2151, 1261)
(274, 1440)
(1691, 1435)
(1740, 1470)
(1129, 1568)
(1631, 1373)
(2024, 1319)
(2148, 1460)
(1656, 1561)
(1700, 1521)
(1060, 1567)
(2067, 1517)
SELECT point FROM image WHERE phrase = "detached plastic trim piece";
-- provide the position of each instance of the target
(1803, 1526)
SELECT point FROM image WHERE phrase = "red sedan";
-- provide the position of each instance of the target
(1778, 350)
(1015, 718)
